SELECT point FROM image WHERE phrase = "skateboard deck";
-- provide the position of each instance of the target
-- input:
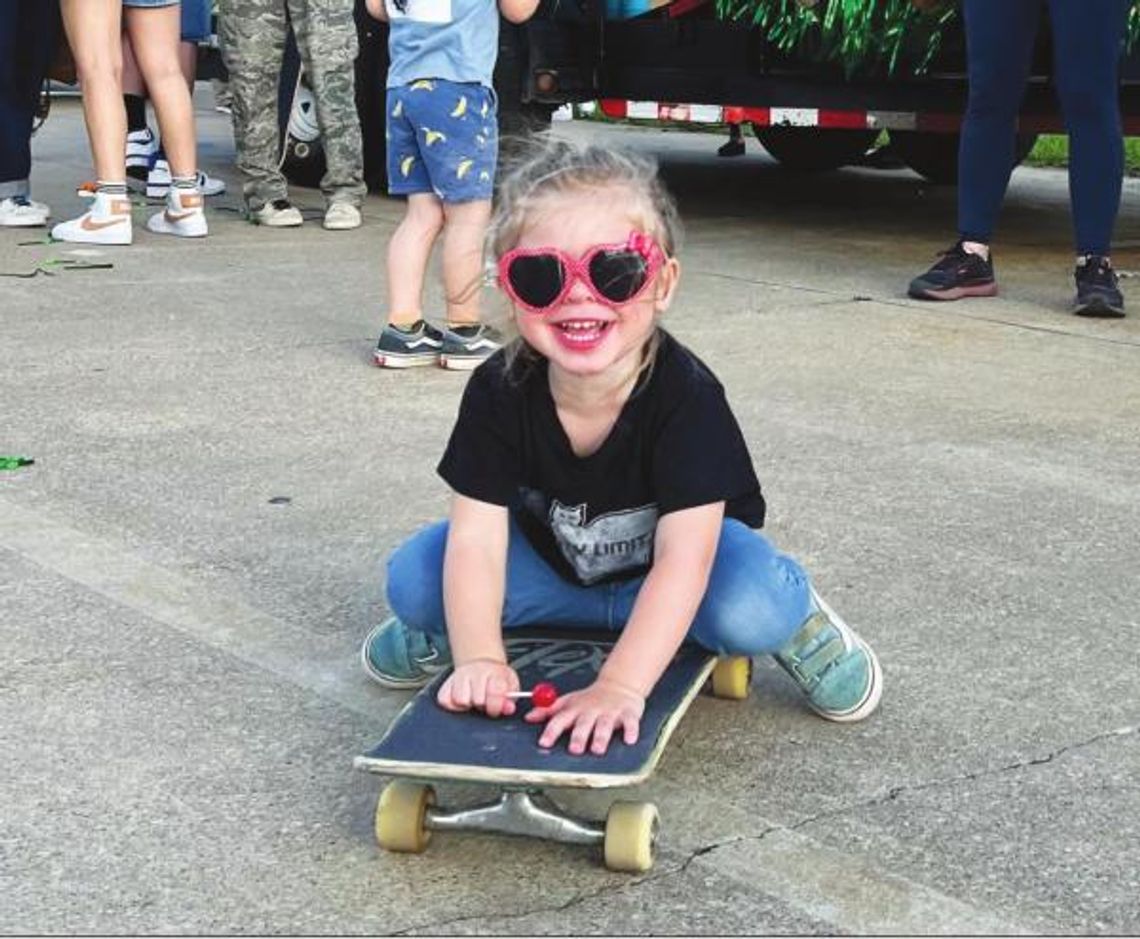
(427, 742)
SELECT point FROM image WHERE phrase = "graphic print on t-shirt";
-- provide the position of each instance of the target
(420, 11)
(608, 544)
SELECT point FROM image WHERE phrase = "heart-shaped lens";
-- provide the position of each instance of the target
(618, 275)
(536, 279)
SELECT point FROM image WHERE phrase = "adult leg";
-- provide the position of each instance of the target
(155, 36)
(28, 33)
(253, 43)
(94, 30)
(999, 48)
(1088, 37)
(328, 44)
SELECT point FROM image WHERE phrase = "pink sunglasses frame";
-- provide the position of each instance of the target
(579, 269)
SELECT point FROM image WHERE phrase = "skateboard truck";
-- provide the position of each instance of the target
(406, 816)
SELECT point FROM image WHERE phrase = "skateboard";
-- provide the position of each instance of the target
(425, 743)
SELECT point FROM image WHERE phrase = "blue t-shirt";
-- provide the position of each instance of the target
(456, 40)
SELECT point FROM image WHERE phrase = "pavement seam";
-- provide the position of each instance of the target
(846, 297)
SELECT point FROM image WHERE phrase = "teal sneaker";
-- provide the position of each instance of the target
(835, 668)
(399, 657)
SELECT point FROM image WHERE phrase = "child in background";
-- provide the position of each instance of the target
(442, 143)
(601, 481)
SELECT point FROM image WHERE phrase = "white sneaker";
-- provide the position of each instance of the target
(107, 222)
(159, 181)
(342, 216)
(280, 213)
(22, 212)
(141, 148)
(183, 215)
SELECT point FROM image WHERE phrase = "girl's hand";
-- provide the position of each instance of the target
(594, 712)
(480, 685)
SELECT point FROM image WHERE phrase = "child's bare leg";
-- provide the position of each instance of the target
(409, 250)
(463, 234)
(155, 38)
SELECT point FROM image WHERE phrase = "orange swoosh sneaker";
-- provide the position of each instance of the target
(107, 222)
(183, 215)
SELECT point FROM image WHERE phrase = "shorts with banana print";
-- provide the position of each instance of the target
(442, 137)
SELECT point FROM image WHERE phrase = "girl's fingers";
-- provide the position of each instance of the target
(580, 735)
(603, 731)
(631, 723)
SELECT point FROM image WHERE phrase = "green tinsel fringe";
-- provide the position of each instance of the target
(864, 37)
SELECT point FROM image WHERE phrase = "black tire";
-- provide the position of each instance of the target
(935, 156)
(303, 160)
(813, 149)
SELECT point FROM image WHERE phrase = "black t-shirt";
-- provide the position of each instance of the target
(675, 445)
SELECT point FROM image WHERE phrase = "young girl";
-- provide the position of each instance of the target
(600, 481)
(94, 29)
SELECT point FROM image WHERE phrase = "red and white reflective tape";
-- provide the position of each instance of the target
(928, 121)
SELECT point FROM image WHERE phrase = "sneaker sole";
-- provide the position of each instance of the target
(24, 222)
(289, 223)
(953, 293)
(396, 360)
(387, 681)
(1098, 309)
(460, 363)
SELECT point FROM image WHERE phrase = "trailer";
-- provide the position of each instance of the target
(677, 61)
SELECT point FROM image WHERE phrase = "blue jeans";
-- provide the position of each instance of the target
(1087, 41)
(756, 597)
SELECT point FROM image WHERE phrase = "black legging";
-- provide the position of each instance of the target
(28, 32)
(1087, 40)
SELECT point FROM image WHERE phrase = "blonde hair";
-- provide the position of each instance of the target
(548, 167)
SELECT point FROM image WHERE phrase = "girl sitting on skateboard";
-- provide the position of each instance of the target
(600, 481)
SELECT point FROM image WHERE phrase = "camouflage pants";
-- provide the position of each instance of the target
(253, 34)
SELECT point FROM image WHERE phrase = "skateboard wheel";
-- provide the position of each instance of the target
(732, 677)
(400, 815)
(631, 833)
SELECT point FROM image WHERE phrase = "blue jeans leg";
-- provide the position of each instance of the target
(535, 593)
(756, 598)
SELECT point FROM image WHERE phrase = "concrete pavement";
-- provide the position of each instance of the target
(187, 571)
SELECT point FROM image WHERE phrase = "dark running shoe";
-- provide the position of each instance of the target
(400, 348)
(1098, 291)
(958, 274)
(731, 148)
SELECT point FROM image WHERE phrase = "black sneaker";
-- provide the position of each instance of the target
(464, 347)
(959, 274)
(1098, 291)
(400, 349)
(732, 148)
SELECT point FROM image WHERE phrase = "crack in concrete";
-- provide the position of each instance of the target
(894, 792)
(580, 898)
